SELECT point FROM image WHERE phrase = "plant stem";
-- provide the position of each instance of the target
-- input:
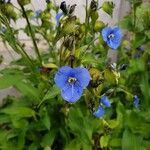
(90, 45)
(16, 46)
(60, 55)
(32, 34)
(43, 100)
(72, 54)
(86, 17)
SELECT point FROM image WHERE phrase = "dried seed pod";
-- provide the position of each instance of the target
(93, 5)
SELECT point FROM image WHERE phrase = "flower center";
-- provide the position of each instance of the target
(72, 80)
(111, 36)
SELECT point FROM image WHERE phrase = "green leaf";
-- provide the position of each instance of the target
(47, 148)
(48, 138)
(139, 40)
(20, 123)
(33, 146)
(126, 23)
(147, 33)
(131, 141)
(73, 145)
(115, 142)
(69, 27)
(46, 120)
(111, 76)
(53, 92)
(4, 119)
(88, 59)
(28, 90)
(94, 16)
(9, 80)
(18, 111)
(104, 141)
(21, 140)
(136, 66)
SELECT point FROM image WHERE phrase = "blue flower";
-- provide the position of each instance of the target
(100, 112)
(136, 101)
(58, 16)
(37, 14)
(105, 101)
(2, 29)
(112, 36)
(72, 81)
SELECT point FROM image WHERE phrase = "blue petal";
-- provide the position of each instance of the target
(136, 101)
(58, 16)
(83, 76)
(105, 101)
(2, 29)
(37, 13)
(114, 44)
(71, 92)
(105, 32)
(117, 32)
(99, 113)
(61, 77)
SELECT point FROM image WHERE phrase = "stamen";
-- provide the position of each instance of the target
(72, 80)
(111, 36)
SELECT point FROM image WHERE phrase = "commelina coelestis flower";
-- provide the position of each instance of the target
(105, 101)
(72, 81)
(136, 101)
(112, 36)
(99, 112)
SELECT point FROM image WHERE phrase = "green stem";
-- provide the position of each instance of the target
(87, 18)
(16, 45)
(72, 53)
(43, 100)
(25, 54)
(90, 45)
(60, 55)
(86, 11)
(32, 34)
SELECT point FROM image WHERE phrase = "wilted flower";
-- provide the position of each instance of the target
(123, 67)
(93, 5)
(67, 9)
(140, 48)
(112, 36)
(48, 1)
(58, 16)
(136, 101)
(100, 112)
(6, 1)
(105, 101)
(72, 81)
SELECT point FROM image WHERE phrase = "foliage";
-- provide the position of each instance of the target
(39, 118)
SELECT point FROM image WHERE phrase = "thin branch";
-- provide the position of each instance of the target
(32, 34)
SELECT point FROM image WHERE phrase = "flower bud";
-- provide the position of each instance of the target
(99, 113)
(99, 25)
(105, 101)
(108, 7)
